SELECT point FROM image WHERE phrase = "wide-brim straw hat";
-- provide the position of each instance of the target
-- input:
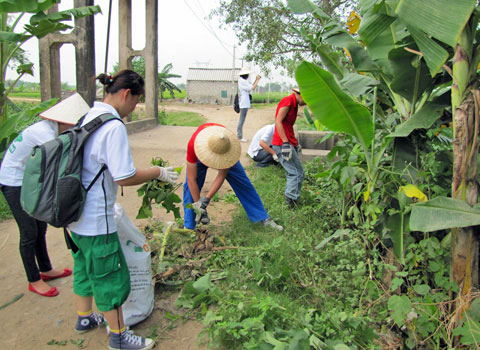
(217, 147)
(296, 89)
(68, 111)
(245, 70)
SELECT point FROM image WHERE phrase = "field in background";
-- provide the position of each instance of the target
(273, 97)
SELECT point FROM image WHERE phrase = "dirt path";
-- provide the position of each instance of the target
(33, 321)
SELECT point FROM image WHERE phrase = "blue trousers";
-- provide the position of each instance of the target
(263, 159)
(294, 170)
(242, 186)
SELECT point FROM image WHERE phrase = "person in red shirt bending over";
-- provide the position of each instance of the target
(285, 145)
(214, 146)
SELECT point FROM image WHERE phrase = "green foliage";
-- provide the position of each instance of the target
(269, 29)
(5, 212)
(26, 94)
(179, 95)
(196, 293)
(165, 86)
(10, 128)
(279, 290)
(161, 193)
(180, 118)
(272, 97)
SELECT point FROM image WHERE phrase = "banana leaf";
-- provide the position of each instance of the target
(65, 15)
(7, 127)
(331, 106)
(443, 20)
(374, 25)
(31, 6)
(422, 119)
(360, 58)
(398, 225)
(435, 56)
(443, 213)
(306, 6)
(13, 37)
(358, 84)
(409, 79)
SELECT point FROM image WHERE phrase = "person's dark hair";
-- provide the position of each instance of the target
(125, 79)
(244, 76)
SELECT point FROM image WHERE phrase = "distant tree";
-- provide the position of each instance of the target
(267, 27)
(164, 84)
(275, 87)
(138, 65)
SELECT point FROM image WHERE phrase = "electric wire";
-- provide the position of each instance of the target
(210, 30)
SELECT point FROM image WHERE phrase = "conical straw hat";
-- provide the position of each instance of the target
(245, 70)
(68, 111)
(217, 147)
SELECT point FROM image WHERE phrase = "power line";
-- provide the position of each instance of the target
(210, 30)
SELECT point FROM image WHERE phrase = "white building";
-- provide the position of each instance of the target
(212, 85)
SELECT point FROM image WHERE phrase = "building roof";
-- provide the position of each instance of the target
(212, 74)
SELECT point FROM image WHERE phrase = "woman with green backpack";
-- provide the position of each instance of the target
(33, 245)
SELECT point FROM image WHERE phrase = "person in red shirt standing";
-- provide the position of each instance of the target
(214, 146)
(285, 145)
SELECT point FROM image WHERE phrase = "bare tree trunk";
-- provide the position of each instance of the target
(464, 268)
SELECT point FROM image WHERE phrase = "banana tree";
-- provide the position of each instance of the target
(407, 46)
(456, 25)
(385, 70)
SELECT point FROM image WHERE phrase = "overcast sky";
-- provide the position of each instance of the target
(186, 39)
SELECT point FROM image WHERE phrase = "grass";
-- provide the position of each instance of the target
(276, 283)
(180, 118)
(5, 212)
(178, 95)
(25, 94)
(277, 287)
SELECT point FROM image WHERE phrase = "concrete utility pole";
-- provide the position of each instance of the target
(83, 39)
(149, 52)
(233, 76)
(268, 96)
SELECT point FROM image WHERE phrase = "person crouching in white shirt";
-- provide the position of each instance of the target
(260, 149)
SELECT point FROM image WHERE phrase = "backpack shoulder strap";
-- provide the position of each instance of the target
(94, 124)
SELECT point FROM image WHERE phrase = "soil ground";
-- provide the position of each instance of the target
(32, 321)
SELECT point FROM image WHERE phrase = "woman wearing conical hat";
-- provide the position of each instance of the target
(244, 90)
(214, 146)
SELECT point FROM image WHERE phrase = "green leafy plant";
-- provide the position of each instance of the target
(157, 192)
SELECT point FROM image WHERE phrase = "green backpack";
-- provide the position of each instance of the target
(52, 189)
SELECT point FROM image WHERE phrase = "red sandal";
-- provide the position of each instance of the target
(52, 292)
(66, 272)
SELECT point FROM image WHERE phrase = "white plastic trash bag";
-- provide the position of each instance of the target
(139, 304)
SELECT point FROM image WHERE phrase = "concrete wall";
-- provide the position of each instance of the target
(309, 139)
(140, 125)
(209, 91)
(310, 148)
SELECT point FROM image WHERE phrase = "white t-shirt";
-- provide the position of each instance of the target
(13, 164)
(108, 145)
(244, 88)
(265, 134)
